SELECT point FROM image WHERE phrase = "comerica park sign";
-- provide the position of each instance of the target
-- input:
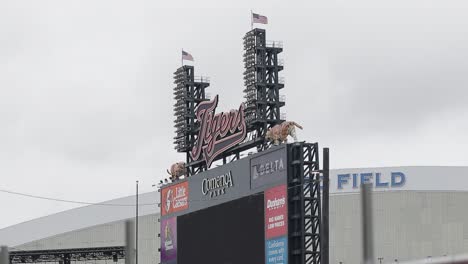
(217, 186)
(218, 132)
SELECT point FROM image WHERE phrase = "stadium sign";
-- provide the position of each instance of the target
(218, 132)
(217, 186)
(175, 198)
(268, 168)
(377, 179)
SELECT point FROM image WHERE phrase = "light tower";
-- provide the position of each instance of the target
(262, 83)
(188, 93)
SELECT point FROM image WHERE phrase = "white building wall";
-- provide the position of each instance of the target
(407, 225)
(78, 219)
(106, 235)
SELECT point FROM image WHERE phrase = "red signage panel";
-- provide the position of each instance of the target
(276, 212)
(174, 198)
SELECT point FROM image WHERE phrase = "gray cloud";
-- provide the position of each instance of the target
(86, 87)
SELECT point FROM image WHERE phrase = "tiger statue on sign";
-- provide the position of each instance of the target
(279, 133)
(177, 170)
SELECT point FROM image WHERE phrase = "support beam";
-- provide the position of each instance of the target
(4, 258)
(129, 242)
(367, 230)
(325, 236)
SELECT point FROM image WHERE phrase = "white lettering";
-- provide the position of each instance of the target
(217, 185)
(267, 168)
(276, 203)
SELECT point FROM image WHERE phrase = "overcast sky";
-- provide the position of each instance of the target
(86, 87)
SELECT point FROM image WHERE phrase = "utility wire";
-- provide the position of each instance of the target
(69, 201)
(124, 205)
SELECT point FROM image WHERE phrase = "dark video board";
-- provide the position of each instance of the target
(231, 233)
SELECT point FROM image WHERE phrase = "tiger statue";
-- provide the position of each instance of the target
(279, 133)
(177, 169)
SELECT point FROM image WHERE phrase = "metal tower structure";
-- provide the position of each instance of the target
(262, 84)
(308, 232)
(188, 93)
(304, 204)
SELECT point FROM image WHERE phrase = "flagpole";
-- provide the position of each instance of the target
(251, 19)
(182, 57)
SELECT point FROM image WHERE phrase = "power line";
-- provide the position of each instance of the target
(121, 205)
(69, 201)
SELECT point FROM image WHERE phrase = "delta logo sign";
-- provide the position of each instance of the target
(174, 198)
(218, 132)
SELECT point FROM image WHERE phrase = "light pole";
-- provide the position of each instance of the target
(380, 260)
(136, 226)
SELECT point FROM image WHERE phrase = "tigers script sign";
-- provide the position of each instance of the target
(218, 132)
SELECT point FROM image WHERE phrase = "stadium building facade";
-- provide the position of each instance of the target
(419, 212)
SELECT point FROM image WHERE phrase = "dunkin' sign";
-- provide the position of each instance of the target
(276, 212)
(218, 132)
(174, 198)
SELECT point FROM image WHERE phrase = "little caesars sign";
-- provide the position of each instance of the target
(217, 186)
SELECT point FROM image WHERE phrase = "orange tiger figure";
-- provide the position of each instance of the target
(279, 133)
(177, 170)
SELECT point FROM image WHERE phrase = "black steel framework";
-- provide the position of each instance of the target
(262, 105)
(304, 203)
(188, 93)
(262, 84)
(65, 256)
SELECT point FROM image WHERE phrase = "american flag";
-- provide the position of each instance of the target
(256, 18)
(186, 56)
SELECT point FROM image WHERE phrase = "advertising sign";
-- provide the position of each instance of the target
(169, 240)
(174, 198)
(276, 212)
(219, 185)
(218, 132)
(276, 251)
(268, 168)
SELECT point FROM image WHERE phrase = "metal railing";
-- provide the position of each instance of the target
(202, 79)
(274, 44)
(458, 259)
(283, 116)
(282, 98)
